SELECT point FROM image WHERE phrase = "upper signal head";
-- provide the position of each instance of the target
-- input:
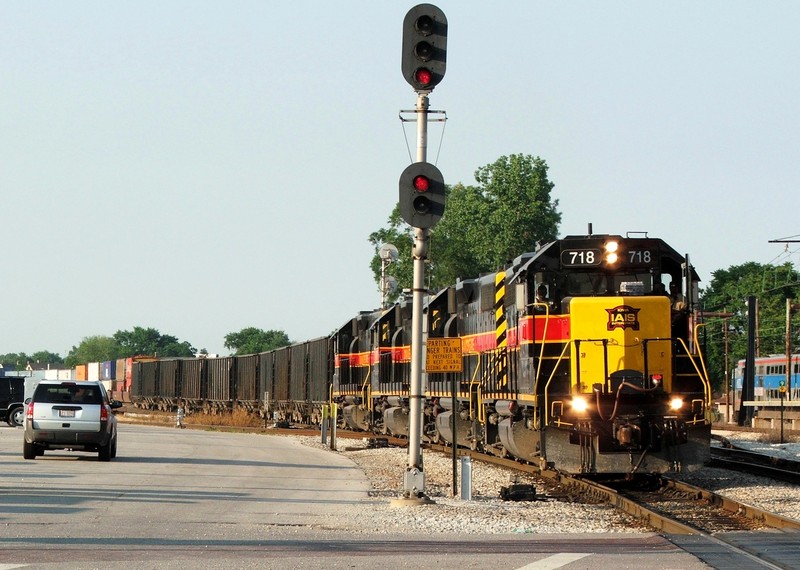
(424, 47)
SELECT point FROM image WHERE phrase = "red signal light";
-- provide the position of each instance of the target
(423, 76)
(421, 183)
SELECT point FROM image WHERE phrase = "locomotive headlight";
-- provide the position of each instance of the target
(611, 256)
(579, 405)
(675, 404)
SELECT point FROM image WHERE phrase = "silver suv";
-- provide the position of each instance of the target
(71, 415)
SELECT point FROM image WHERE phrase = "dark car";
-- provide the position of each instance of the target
(77, 416)
(12, 393)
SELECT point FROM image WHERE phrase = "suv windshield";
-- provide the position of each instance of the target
(68, 394)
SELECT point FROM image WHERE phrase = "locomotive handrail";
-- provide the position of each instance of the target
(703, 379)
(604, 342)
(544, 336)
(706, 381)
(472, 383)
(366, 388)
(550, 379)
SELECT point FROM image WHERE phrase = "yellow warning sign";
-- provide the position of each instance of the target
(443, 355)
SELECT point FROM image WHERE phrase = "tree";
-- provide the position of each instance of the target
(251, 340)
(148, 341)
(727, 293)
(93, 349)
(14, 361)
(46, 357)
(483, 226)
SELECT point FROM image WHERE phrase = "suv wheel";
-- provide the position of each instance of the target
(109, 450)
(28, 450)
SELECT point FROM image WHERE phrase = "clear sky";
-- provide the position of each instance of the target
(200, 167)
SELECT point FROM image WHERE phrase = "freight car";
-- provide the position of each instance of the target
(575, 357)
(290, 384)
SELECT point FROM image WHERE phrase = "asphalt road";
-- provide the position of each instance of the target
(197, 499)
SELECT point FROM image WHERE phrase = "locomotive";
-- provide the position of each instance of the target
(574, 357)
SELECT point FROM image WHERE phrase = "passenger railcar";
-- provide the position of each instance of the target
(574, 357)
(776, 398)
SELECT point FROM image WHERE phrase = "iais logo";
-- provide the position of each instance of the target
(623, 317)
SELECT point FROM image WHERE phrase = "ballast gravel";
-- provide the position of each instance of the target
(487, 513)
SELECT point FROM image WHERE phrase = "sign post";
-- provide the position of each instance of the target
(782, 392)
(444, 355)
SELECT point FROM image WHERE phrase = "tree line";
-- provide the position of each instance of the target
(141, 341)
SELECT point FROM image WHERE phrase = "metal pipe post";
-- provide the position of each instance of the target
(414, 483)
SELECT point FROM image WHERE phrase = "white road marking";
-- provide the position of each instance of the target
(554, 562)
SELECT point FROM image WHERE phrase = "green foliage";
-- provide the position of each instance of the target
(518, 209)
(140, 341)
(727, 293)
(483, 227)
(251, 340)
(148, 341)
(93, 349)
(18, 361)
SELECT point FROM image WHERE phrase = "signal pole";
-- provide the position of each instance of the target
(414, 482)
(421, 205)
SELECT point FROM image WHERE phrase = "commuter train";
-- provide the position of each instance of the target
(775, 396)
(574, 357)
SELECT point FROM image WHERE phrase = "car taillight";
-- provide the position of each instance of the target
(29, 412)
(103, 413)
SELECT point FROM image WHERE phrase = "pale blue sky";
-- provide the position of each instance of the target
(200, 167)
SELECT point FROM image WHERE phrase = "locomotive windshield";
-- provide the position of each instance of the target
(590, 284)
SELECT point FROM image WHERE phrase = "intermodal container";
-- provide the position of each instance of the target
(93, 371)
(108, 370)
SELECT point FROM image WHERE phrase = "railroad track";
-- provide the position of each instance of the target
(732, 457)
(717, 529)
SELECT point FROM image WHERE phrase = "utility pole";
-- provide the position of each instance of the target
(748, 382)
(791, 308)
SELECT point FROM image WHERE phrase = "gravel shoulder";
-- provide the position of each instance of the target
(487, 513)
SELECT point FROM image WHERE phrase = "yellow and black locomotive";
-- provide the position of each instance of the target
(579, 356)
